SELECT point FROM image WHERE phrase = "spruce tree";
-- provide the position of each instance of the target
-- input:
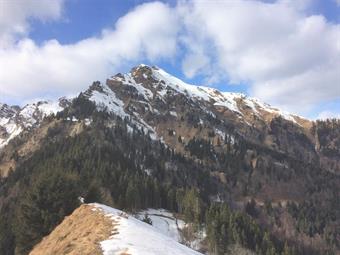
(52, 196)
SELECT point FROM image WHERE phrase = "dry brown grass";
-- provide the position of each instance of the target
(79, 234)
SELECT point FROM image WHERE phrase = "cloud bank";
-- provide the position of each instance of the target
(287, 57)
(56, 68)
(16, 14)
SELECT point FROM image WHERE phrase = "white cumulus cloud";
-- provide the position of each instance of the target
(32, 70)
(14, 16)
(288, 57)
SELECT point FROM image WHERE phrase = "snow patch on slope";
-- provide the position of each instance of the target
(180, 86)
(136, 237)
(28, 116)
(13, 131)
(30, 112)
(50, 107)
(165, 222)
(146, 93)
(128, 80)
(224, 99)
(107, 101)
(229, 101)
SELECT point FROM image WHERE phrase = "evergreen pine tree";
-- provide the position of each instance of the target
(50, 198)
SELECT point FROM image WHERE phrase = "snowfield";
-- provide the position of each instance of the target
(133, 236)
(164, 222)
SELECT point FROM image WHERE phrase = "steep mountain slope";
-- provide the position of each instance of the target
(150, 85)
(158, 103)
(99, 229)
(18, 122)
(263, 179)
(167, 108)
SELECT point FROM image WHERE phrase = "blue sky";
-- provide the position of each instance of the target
(87, 18)
(81, 19)
(285, 52)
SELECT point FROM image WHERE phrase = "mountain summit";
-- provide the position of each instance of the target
(168, 109)
(242, 174)
(149, 84)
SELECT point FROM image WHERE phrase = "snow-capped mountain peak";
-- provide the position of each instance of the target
(154, 81)
(225, 99)
(13, 119)
(143, 95)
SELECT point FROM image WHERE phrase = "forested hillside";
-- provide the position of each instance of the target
(242, 187)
